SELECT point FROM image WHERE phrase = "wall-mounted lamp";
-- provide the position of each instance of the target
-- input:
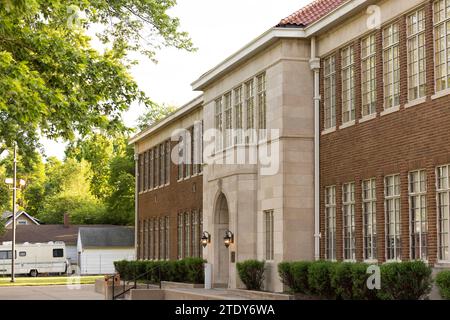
(206, 238)
(229, 238)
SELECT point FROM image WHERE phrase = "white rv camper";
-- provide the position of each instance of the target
(34, 258)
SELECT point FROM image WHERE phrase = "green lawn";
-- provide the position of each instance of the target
(47, 281)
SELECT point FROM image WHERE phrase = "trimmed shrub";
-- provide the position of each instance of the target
(360, 291)
(295, 275)
(286, 275)
(443, 283)
(319, 278)
(342, 280)
(251, 273)
(409, 280)
(188, 270)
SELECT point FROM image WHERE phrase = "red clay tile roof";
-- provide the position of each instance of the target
(311, 13)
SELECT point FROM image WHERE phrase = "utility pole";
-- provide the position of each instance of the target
(13, 251)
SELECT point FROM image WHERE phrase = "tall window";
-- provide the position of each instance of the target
(369, 198)
(166, 237)
(141, 172)
(162, 152)
(168, 161)
(188, 153)
(391, 66)
(228, 120)
(330, 223)
(348, 209)
(157, 163)
(416, 55)
(368, 72)
(151, 169)
(262, 104)
(157, 239)
(195, 234)
(145, 242)
(418, 214)
(152, 240)
(181, 151)
(250, 106)
(141, 239)
(442, 45)
(268, 223)
(348, 84)
(180, 236)
(392, 207)
(443, 190)
(187, 235)
(146, 171)
(218, 123)
(238, 115)
(162, 240)
(330, 93)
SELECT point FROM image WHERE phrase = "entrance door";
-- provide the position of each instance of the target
(222, 269)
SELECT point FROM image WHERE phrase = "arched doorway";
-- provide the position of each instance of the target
(221, 225)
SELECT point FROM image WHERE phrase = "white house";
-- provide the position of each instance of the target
(98, 248)
(22, 219)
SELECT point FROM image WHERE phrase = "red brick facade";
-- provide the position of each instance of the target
(409, 139)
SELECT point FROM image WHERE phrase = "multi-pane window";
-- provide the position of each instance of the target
(188, 152)
(348, 83)
(369, 199)
(268, 226)
(168, 161)
(157, 239)
(218, 123)
(151, 169)
(330, 223)
(443, 190)
(141, 173)
(368, 75)
(166, 237)
(162, 165)
(145, 241)
(238, 115)
(157, 163)
(418, 214)
(262, 104)
(195, 234)
(329, 92)
(180, 247)
(146, 186)
(181, 153)
(152, 240)
(348, 210)
(442, 44)
(391, 66)
(200, 146)
(141, 239)
(250, 108)
(187, 235)
(392, 207)
(416, 55)
(228, 112)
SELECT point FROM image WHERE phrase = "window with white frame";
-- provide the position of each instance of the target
(157, 163)
(162, 240)
(348, 210)
(238, 115)
(166, 237)
(151, 168)
(157, 239)
(269, 234)
(368, 75)
(329, 102)
(250, 109)
(369, 198)
(195, 234)
(168, 161)
(152, 240)
(391, 66)
(330, 223)
(188, 153)
(441, 44)
(218, 123)
(443, 192)
(146, 171)
(418, 214)
(416, 55)
(262, 104)
(392, 207)
(181, 155)
(348, 84)
(162, 165)
(228, 120)
(180, 241)
(187, 235)
(141, 172)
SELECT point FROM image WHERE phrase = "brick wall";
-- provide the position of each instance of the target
(409, 139)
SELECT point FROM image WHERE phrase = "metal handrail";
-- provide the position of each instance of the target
(125, 283)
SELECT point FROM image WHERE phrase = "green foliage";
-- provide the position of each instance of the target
(360, 291)
(342, 280)
(189, 270)
(443, 283)
(295, 275)
(55, 84)
(251, 273)
(319, 278)
(409, 280)
(154, 114)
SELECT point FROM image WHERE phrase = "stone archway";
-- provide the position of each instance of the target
(221, 224)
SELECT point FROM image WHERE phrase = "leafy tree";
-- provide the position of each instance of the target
(54, 84)
(154, 114)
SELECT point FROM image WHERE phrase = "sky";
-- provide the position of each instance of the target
(218, 28)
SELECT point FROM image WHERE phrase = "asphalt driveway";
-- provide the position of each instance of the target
(57, 292)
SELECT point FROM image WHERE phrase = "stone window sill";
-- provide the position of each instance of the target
(368, 118)
(328, 131)
(415, 102)
(440, 94)
(390, 110)
(347, 124)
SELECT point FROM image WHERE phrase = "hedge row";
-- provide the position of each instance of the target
(342, 280)
(443, 283)
(189, 270)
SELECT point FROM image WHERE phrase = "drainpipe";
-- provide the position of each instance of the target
(315, 67)
(136, 202)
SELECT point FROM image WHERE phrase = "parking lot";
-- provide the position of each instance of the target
(57, 292)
